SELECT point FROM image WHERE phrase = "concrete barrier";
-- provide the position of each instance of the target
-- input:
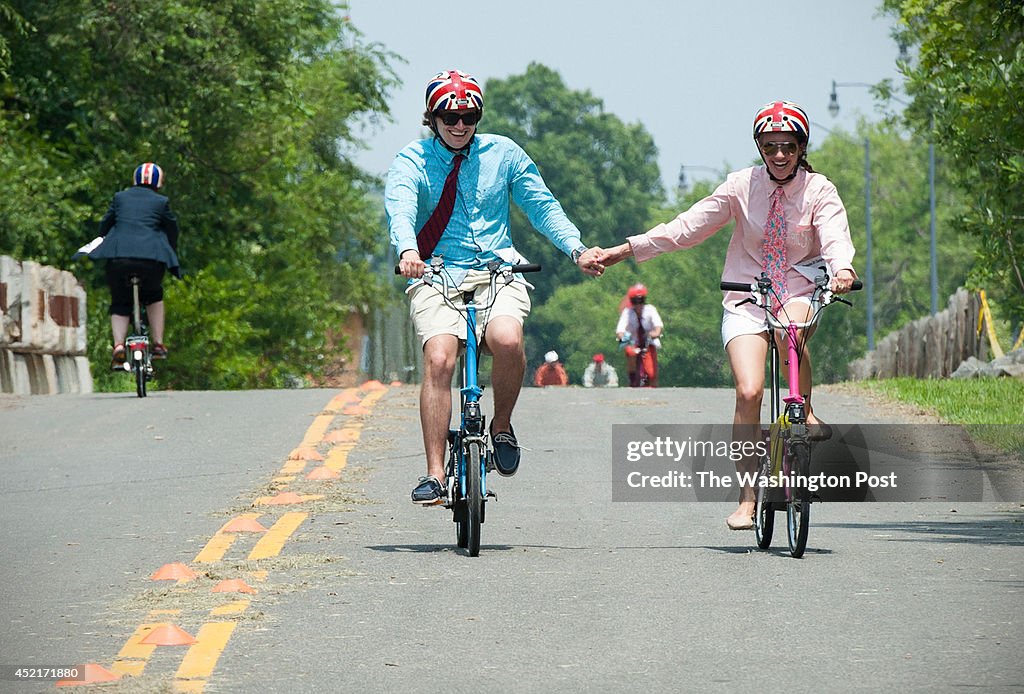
(42, 330)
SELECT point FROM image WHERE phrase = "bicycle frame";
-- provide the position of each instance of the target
(787, 437)
(468, 460)
(137, 344)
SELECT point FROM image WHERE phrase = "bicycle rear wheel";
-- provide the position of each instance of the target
(764, 510)
(798, 510)
(474, 496)
(139, 367)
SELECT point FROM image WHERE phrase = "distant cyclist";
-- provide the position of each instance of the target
(551, 372)
(140, 237)
(640, 324)
(449, 195)
(600, 374)
(786, 214)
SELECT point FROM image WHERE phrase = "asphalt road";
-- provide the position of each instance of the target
(356, 589)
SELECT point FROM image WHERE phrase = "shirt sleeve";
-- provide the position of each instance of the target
(834, 231)
(688, 229)
(655, 317)
(109, 219)
(169, 223)
(533, 197)
(620, 327)
(613, 376)
(401, 202)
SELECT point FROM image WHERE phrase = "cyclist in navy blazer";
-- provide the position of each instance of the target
(140, 237)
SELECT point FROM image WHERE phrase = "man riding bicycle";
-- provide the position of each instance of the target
(449, 195)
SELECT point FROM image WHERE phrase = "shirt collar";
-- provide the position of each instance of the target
(445, 154)
(789, 188)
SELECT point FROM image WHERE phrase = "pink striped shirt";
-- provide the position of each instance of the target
(816, 225)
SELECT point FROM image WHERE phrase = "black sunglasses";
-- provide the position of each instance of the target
(788, 148)
(453, 117)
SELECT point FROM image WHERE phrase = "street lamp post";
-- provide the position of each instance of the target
(833, 108)
(684, 183)
(869, 268)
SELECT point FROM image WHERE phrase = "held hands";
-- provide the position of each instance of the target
(588, 261)
(613, 255)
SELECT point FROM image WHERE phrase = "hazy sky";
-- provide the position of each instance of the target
(693, 73)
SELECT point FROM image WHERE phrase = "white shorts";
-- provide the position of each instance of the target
(432, 316)
(736, 324)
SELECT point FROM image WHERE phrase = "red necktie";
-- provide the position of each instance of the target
(773, 251)
(430, 234)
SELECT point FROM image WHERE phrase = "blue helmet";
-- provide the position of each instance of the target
(149, 174)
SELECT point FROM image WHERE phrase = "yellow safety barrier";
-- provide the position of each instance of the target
(985, 318)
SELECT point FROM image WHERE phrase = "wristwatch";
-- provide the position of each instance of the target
(575, 255)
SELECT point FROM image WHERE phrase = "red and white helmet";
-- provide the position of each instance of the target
(782, 117)
(453, 90)
(148, 174)
(637, 290)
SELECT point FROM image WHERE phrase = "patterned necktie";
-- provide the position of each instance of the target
(773, 249)
(430, 234)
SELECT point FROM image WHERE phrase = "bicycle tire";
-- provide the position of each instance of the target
(139, 367)
(474, 497)
(764, 510)
(798, 510)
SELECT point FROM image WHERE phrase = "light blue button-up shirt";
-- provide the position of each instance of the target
(496, 171)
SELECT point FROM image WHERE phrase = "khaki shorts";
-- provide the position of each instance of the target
(432, 316)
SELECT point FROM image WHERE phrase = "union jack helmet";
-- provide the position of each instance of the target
(149, 174)
(454, 90)
(782, 117)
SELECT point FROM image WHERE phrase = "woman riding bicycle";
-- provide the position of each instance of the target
(642, 323)
(449, 195)
(785, 214)
(140, 237)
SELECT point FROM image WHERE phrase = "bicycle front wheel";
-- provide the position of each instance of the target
(798, 510)
(764, 510)
(474, 497)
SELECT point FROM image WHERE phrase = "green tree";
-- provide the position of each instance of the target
(967, 84)
(249, 107)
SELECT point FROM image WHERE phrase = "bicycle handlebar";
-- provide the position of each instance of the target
(752, 287)
(524, 267)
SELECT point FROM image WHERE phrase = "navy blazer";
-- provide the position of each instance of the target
(140, 224)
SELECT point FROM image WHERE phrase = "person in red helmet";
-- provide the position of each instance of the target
(786, 215)
(640, 329)
(600, 374)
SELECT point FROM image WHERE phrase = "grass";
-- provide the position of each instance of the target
(977, 403)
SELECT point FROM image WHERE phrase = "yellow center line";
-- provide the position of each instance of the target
(337, 459)
(202, 656)
(317, 430)
(271, 544)
(233, 607)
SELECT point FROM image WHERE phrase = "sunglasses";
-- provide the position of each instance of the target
(788, 148)
(637, 300)
(453, 117)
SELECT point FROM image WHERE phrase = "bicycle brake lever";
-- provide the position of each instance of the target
(842, 300)
(748, 300)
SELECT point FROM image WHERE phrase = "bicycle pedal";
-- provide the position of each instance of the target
(491, 495)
